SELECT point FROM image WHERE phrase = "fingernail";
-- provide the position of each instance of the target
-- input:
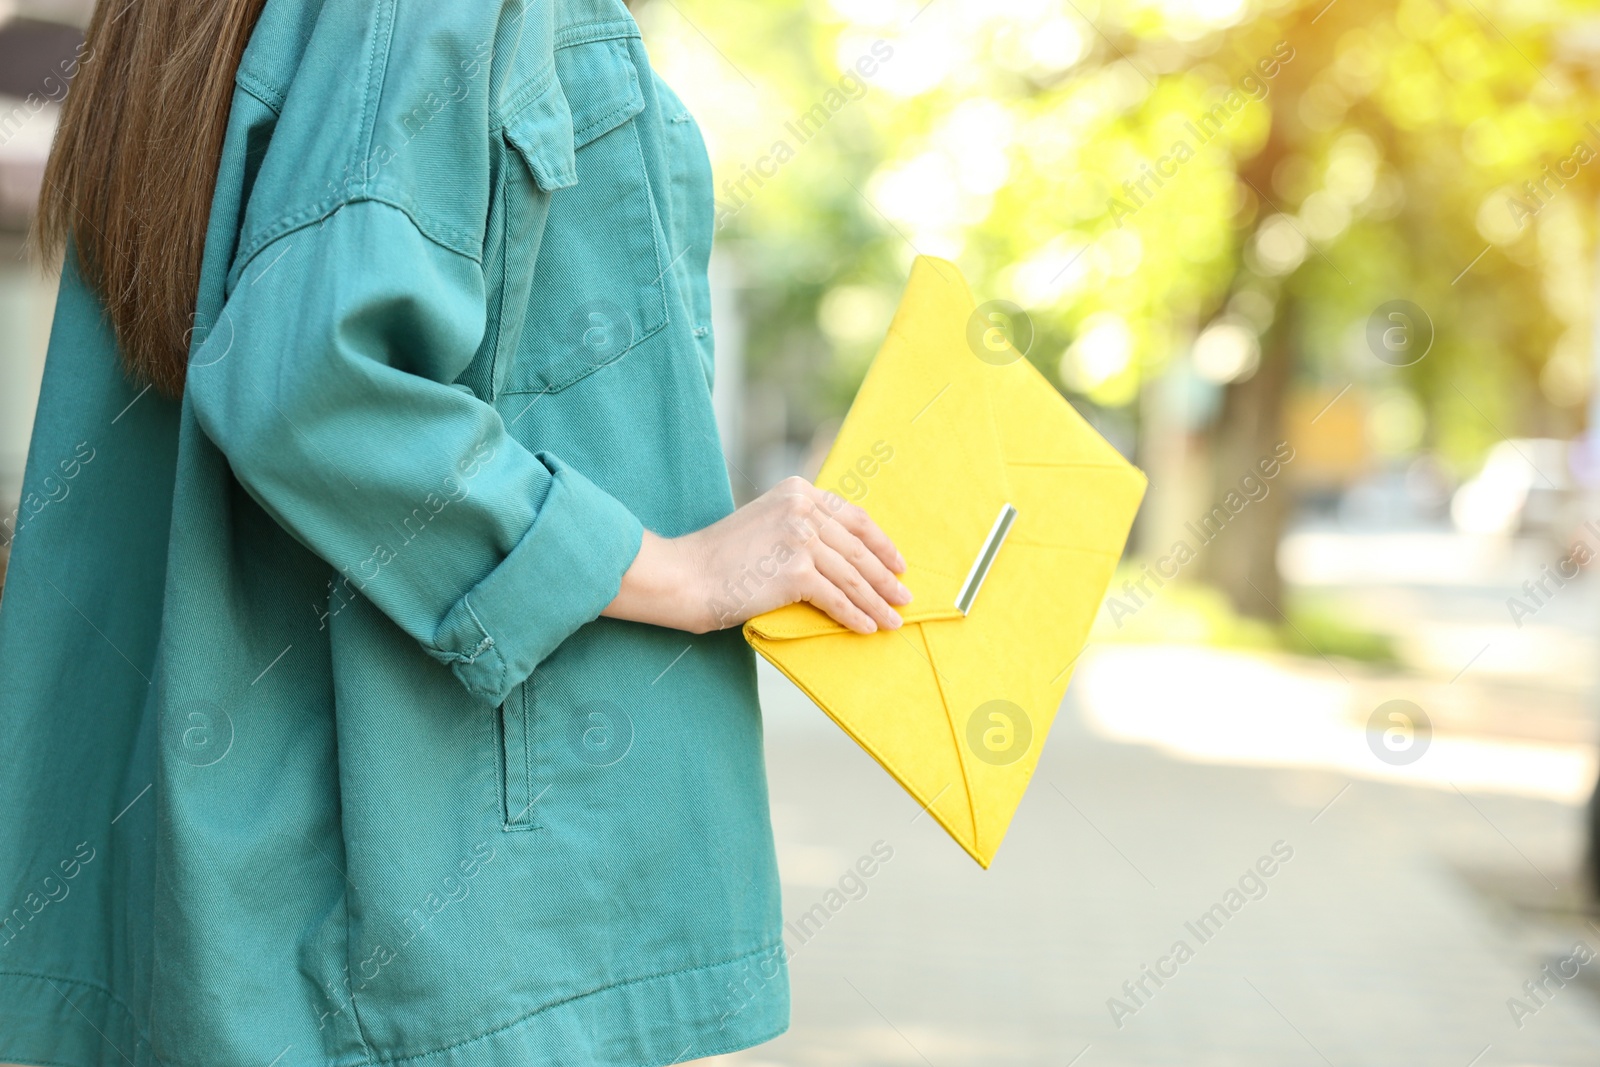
(901, 563)
(904, 593)
(895, 621)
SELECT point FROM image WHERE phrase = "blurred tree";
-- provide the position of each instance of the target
(1206, 199)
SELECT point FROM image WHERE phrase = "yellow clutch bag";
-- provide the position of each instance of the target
(1011, 512)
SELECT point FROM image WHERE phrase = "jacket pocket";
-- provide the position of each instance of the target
(518, 789)
(584, 246)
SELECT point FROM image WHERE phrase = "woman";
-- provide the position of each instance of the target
(369, 694)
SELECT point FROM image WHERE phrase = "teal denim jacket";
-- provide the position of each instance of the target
(319, 753)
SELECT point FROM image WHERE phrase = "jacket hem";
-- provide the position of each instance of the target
(51, 1021)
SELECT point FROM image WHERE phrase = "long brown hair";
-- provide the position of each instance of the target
(131, 174)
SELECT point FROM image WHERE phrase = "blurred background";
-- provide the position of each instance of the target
(1326, 272)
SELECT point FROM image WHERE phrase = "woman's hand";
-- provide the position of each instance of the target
(795, 542)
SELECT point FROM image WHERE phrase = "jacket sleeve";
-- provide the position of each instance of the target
(326, 384)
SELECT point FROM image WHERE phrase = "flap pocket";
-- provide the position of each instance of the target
(611, 93)
(541, 130)
(595, 249)
(548, 128)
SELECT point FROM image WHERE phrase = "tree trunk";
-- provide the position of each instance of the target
(1243, 562)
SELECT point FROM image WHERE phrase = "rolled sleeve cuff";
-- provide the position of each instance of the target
(562, 574)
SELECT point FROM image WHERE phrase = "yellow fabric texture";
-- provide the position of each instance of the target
(937, 441)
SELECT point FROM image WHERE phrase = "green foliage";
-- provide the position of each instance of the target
(1182, 613)
(1196, 613)
(1379, 161)
(1315, 629)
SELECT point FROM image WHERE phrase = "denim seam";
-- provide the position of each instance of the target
(310, 216)
(533, 89)
(590, 32)
(261, 89)
(382, 29)
(631, 106)
(484, 648)
(116, 1001)
(274, 96)
(155, 1059)
(764, 950)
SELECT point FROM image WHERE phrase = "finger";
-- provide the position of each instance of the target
(828, 598)
(858, 522)
(855, 552)
(836, 569)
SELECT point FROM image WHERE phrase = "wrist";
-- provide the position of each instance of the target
(664, 587)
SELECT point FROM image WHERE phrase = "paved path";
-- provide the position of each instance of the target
(1395, 934)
